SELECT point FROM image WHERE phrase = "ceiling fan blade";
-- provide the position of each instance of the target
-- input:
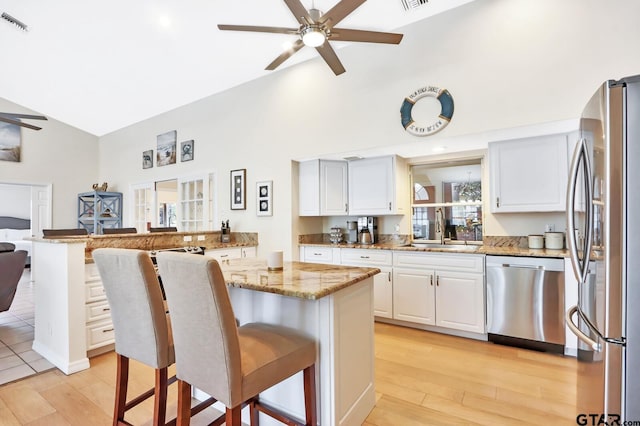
(277, 30)
(285, 55)
(18, 123)
(330, 57)
(340, 11)
(339, 34)
(31, 117)
(299, 11)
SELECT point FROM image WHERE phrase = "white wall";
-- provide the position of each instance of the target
(58, 154)
(507, 63)
(15, 201)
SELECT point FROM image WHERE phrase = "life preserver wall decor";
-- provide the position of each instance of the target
(446, 111)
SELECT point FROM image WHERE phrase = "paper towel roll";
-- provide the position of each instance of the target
(274, 260)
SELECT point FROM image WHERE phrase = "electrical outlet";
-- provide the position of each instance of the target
(200, 237)
(549, 227)
(187, 238)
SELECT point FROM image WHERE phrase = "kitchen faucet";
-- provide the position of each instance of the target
(440, 223)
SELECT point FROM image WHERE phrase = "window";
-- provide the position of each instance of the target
(447, 201)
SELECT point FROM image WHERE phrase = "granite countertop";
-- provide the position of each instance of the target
(453, 248)
(297, 279)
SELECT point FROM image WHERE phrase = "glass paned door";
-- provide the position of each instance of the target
(143, 202)
(193, 203)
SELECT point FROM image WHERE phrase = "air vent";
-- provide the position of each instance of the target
(14, 21)
(412, 4)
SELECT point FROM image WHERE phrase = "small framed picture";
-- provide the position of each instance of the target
(166, 150)
(264, 205)
(238, 189)
(147, 159)
(186, 151)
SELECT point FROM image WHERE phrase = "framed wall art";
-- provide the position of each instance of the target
(147, 159)
(166, 150)
(10, 143)
(238, 189)
(186, 151)
(264, 205)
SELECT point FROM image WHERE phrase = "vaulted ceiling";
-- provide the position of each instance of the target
(101, 66)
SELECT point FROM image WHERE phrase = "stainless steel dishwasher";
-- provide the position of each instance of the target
(525, 302)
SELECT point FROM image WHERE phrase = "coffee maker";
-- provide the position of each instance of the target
(370, 223)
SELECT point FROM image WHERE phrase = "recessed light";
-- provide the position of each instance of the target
(164, 21)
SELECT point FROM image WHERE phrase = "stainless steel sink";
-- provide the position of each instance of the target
(450, 246)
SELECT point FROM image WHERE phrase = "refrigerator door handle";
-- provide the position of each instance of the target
(575, 330)
(580, 157)
(622, 341)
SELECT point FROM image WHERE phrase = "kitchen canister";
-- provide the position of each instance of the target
(274, 261)
(536, 242)
(554, 240)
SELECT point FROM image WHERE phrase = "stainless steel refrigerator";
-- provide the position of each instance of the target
(603, 211)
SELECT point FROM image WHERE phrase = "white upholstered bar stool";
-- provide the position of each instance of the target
(141, 327)
(233, 364)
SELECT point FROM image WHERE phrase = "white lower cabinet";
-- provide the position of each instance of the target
(438, 289)
(231, 253)
(414, 296)
(382, 282)
(318, 254)
(435, 289)
(98, 324)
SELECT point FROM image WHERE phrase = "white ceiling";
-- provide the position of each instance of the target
(101, 66)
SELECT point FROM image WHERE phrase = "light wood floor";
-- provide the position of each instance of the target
(421, 379)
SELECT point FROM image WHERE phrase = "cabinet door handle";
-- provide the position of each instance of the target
(389, 276)
(437, 280)
(431, 276)
(346, 207)
(497, 201)
(389, 205)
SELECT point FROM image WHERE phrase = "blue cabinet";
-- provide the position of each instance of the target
(99, 210)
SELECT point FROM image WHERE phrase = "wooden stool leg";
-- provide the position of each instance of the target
(234, 416)
(160, 397)
(184, 404)
(254, 414)
(309, 375)
(122, 380)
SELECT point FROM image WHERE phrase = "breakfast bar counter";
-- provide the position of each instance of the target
(331, 303)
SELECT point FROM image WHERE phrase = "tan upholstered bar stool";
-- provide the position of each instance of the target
(141, 326)
(233, 364)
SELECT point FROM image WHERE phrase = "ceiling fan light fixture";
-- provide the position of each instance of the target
(313, 36)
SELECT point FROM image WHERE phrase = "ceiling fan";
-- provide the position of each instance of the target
(317, 29)
(15, 119)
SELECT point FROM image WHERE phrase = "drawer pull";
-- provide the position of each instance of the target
(364, 257)
(317, 254)
(108, 330)
(106, 309)
(224, 255)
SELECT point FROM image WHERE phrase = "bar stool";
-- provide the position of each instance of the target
(141, 326)
(233, 364)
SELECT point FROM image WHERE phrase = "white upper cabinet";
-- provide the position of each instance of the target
(378, 186)
(529, 175)
(323, 188)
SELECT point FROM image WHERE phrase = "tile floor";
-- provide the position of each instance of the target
(17, 359)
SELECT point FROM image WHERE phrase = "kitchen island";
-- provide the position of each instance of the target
(333, 304)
